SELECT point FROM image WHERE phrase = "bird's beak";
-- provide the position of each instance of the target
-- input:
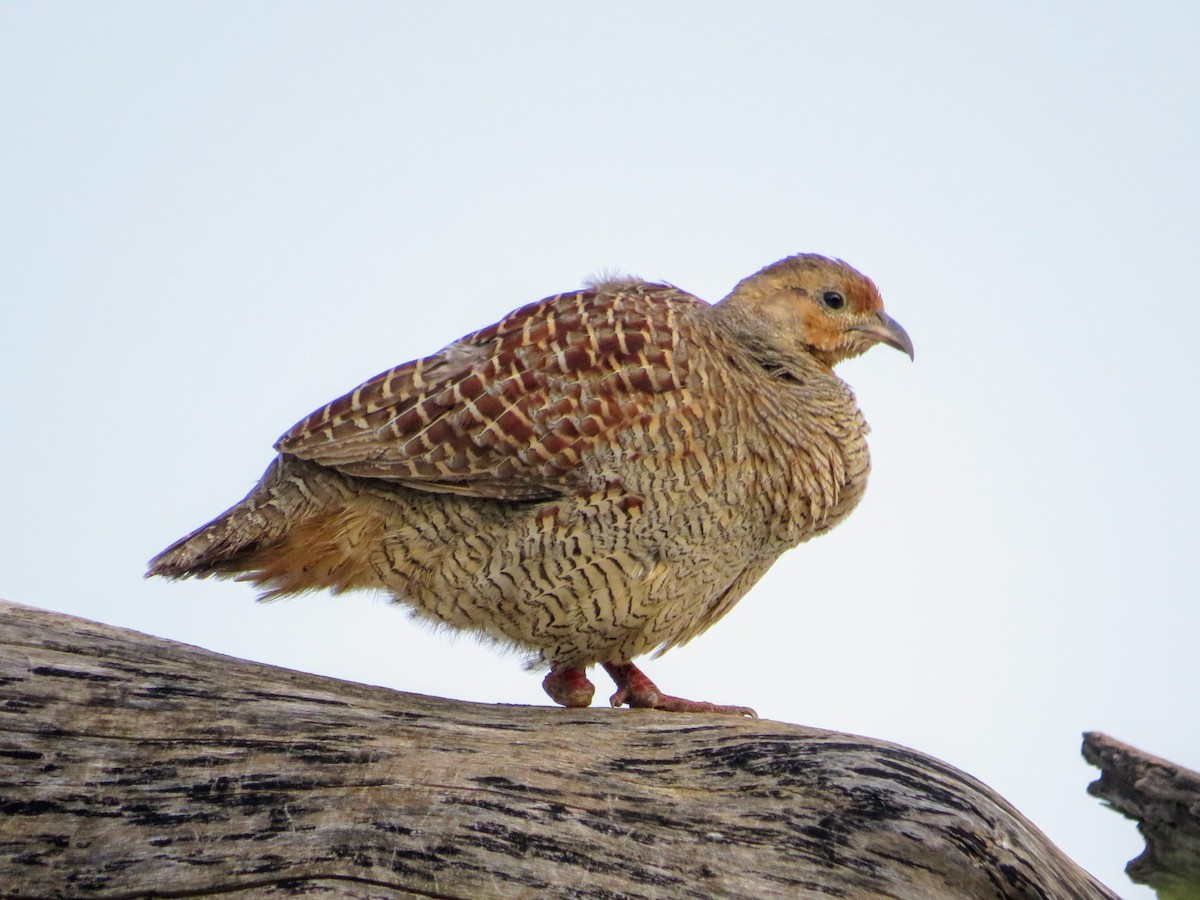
(887, 330)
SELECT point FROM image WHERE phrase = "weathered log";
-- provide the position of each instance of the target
(1164, 799)
(135, 767)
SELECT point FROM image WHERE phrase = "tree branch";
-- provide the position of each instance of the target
(134, 767)
(1164, 799)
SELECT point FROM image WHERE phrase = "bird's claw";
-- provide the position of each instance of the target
(569, 687)
(667, 703)
(639, 692)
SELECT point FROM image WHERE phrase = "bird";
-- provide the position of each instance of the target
(600, 475)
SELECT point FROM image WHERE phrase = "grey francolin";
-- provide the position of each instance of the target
(601, 474)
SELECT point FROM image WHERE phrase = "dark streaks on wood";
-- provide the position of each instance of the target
(1164, 799)
(135, 767)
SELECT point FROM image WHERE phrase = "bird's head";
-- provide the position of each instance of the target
(812, 305)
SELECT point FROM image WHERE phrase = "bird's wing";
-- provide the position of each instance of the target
(511, 411)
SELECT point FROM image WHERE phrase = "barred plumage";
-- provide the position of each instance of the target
(509, 411)
(600, 474)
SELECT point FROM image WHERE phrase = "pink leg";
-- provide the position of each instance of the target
(569, 687)
(634, 688)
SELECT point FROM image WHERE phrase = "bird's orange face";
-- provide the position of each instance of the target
(821, 306)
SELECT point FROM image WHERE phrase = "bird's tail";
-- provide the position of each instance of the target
(215, 548)
(293, 532)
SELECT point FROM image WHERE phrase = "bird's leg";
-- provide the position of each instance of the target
(634, 688)
(569, 686)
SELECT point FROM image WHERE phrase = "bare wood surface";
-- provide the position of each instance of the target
(136, 767)
(1164, 799)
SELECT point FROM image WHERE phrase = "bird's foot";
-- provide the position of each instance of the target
(569, 687)
(639, 692)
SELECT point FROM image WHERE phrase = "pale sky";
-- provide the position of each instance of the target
(218, 216)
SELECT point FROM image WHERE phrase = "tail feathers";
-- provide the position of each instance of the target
(296, 531)
(212, 549)
(222, 547)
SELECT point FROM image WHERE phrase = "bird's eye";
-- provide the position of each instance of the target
(833, 299)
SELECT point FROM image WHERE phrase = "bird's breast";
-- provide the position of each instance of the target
(811, 458)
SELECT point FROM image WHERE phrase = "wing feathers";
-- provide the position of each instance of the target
(511, 411)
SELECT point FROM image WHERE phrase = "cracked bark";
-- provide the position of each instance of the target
(1164, 799)
(135, 767)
